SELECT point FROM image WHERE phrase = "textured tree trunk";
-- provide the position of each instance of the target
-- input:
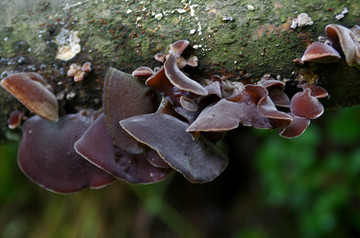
(231, 38)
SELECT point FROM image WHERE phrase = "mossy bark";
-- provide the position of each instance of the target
(230, 38)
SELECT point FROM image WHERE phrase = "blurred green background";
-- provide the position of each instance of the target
(273, 187)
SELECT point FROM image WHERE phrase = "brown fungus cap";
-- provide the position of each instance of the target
(303, 104)
(214, 88)
(30, 89)
(159, 57)
(296, 128)
(15, 119)
(251, 107)
(97, 147)
(279, 97)
(79, 76)
(250, 93)
(180, 80)
(125, 96)
(158, 80)
(342, 40)
(275, 90)
(226, 115)
(198, 160)
(178, 47)
(180, 111)
(176, 97)
(321, 53)
(193, 61)
(47, 156)
(161, 83)
(188, 104)
(143, 72)
(181, 62)
(267, 109)
(316, 91)
(155, 160)
(73, 69)
(86, 68)
(222, 116)
(268, 82)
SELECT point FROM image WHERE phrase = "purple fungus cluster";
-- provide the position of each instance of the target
(153, 122)
(263, 106)
(198, 160)
(341, 42)
(56, 166)
(97, 146)
(107, 145)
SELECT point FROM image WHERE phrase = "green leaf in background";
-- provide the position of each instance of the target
(316, 176)
(8, 165)
(343, 125)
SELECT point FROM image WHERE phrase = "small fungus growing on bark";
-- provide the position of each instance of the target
(143, 72)
(73, 69)
(31, 90)
(178, 47)
(86, 67)
(341, 42)
(321, 53)
(159, 57)
(15, 119)
(79, 72)
(345, 41)
(193, 61)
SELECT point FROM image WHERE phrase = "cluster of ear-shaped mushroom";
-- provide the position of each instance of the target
(67, 153)
(142, 134)
(220, 105)
(264, 106)
(140, 123)
(341, 42)
(46, 153)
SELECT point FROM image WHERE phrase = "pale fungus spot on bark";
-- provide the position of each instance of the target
(68, 43)
(301, 20)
